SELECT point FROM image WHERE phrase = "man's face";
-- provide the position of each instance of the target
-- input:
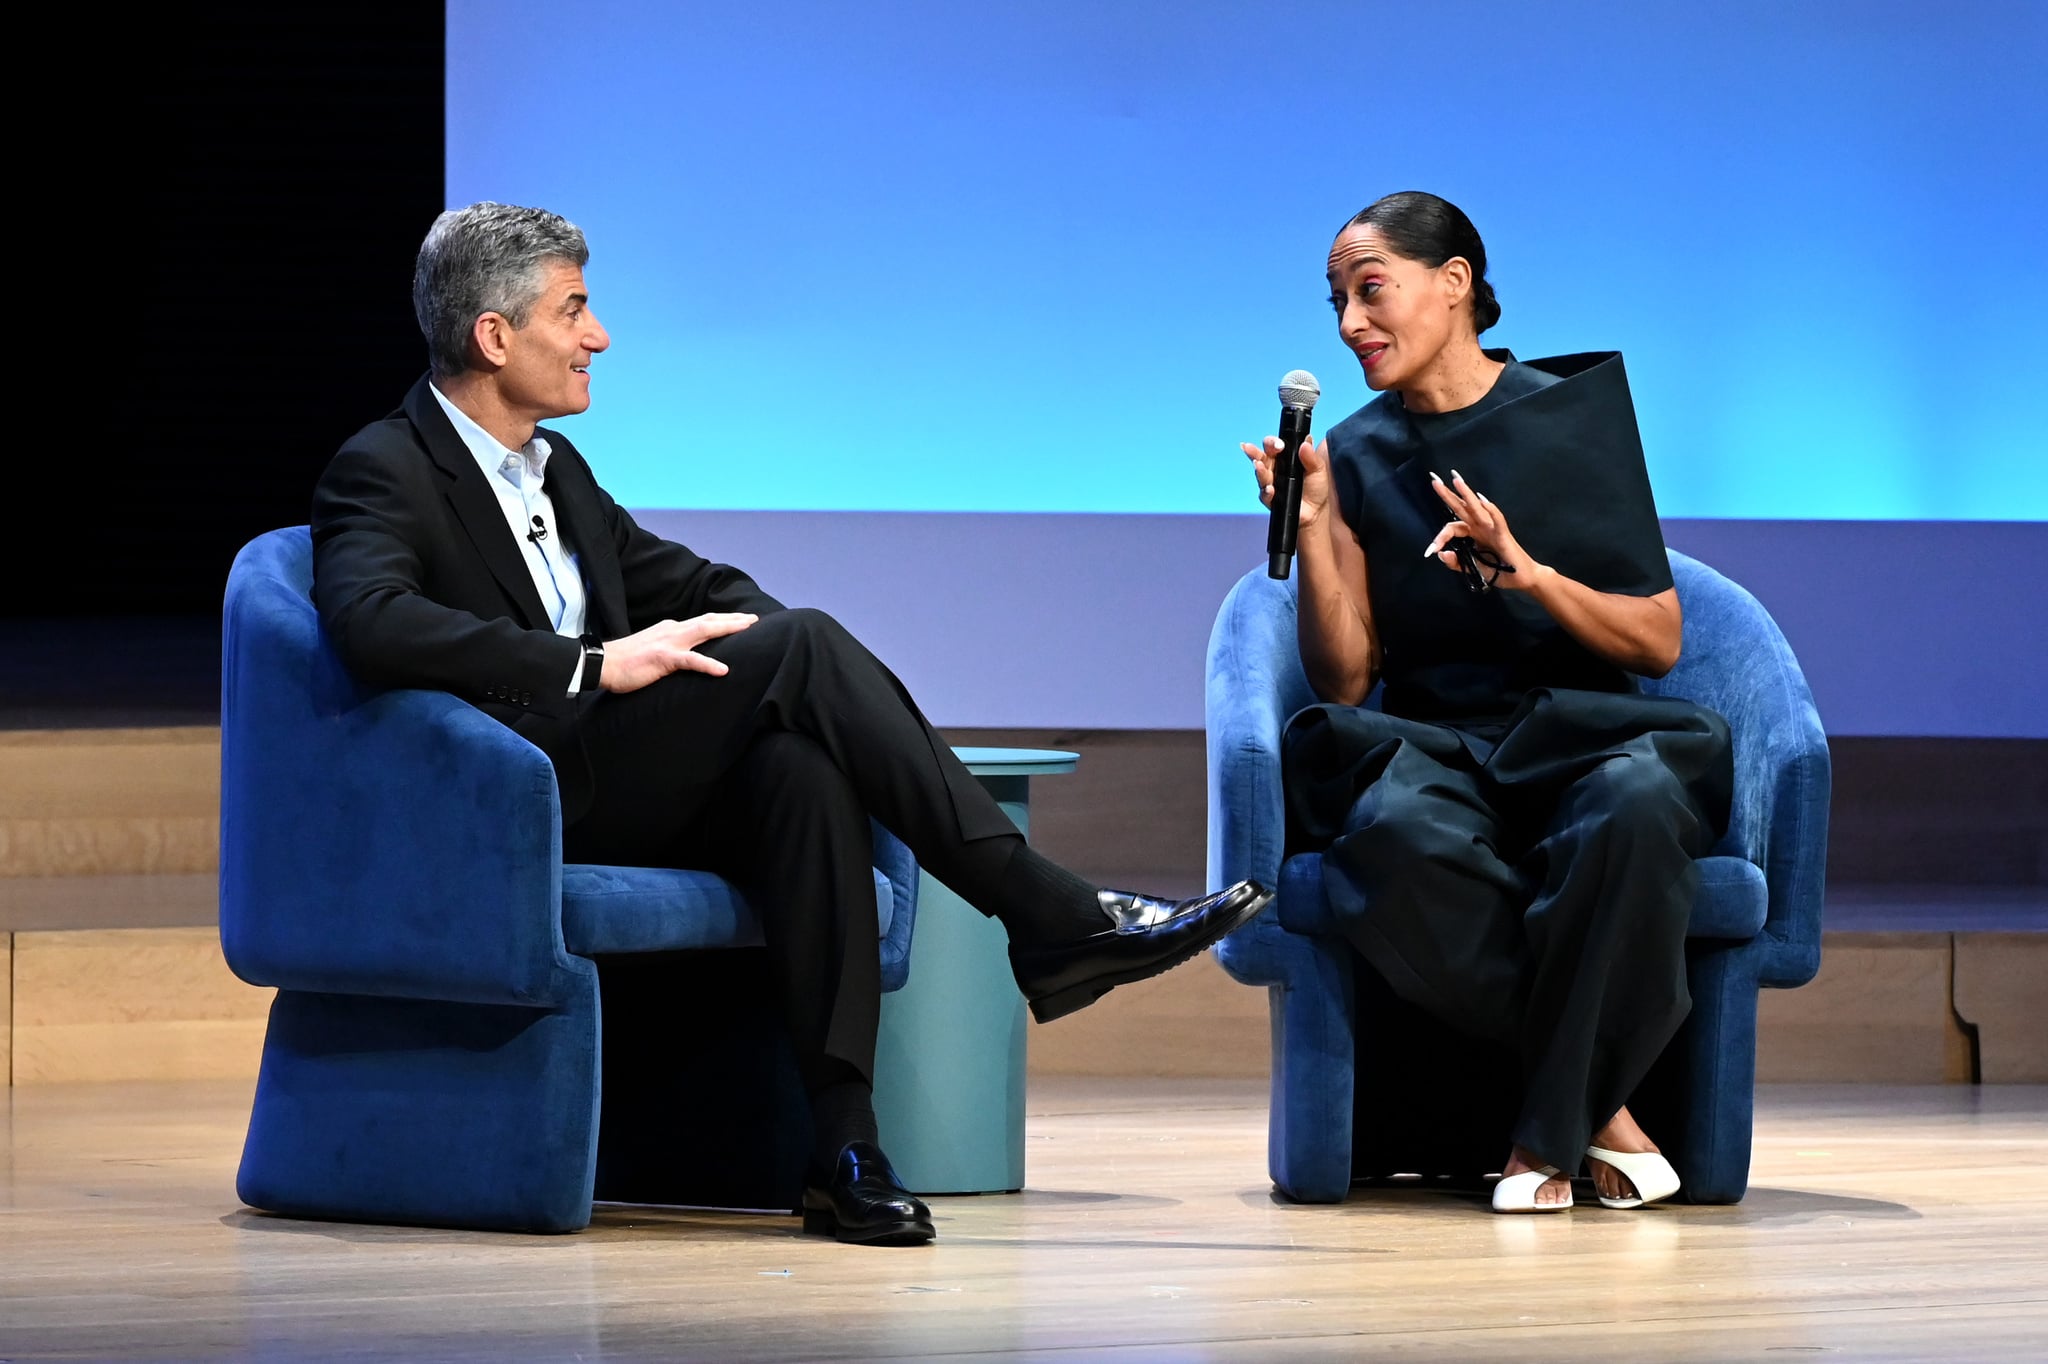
(547, 362)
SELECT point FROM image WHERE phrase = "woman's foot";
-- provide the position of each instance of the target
(1553, 1192)
(1620, 1134)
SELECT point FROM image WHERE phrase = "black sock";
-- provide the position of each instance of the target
(1041, 902)
(842, 1110)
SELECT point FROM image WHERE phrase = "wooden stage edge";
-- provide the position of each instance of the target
(1882, 1223)
(93, 1005)
(110, 968)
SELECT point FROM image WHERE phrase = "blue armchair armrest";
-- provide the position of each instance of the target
(394, 843)
(1254, 685)
(1736, 661)
(347, 814)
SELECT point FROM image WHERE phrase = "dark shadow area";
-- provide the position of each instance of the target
(378, 1233)
(1762, 1207)
(110, 672)
(240, 237)
(1431, 1198)
(1155, 1244)
(1428, 1196)
(607, 1221)
(1040, 1198)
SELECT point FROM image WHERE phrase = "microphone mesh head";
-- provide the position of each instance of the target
(1298, 388)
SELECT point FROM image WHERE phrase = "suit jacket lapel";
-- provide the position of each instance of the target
(570, 488)
(475, 505)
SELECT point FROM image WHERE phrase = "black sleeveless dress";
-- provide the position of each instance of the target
(1510, 838)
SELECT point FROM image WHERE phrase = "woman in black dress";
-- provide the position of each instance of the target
(1509, 840)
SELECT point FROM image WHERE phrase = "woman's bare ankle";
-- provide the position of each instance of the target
(1622, 1133)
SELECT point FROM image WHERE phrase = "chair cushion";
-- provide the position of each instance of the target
(1732, 899)
(1730, 904)
(657, 909)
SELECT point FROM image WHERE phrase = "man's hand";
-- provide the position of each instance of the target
(666, 647)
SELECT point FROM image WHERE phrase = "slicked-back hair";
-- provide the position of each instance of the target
(1426, 228)
(487, 258)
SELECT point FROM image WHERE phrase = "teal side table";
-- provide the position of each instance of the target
(949, 1060)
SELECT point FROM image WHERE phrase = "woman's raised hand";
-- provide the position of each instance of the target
(1478, 519)
(1315, 474)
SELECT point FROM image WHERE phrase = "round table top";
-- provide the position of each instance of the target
(1016, 762)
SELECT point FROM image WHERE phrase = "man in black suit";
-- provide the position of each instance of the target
(691, 718)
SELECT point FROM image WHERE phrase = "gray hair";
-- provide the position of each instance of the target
(486, 258)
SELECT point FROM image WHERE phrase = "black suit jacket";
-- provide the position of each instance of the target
(420, 581)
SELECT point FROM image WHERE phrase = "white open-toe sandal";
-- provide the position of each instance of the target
(1517, 1193)
(1647, 1170)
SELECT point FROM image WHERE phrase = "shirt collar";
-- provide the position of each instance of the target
(492, 455)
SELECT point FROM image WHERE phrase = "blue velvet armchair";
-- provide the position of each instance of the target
(449, 992)
(1366, 1086)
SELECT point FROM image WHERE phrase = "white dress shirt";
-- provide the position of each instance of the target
(516, 477)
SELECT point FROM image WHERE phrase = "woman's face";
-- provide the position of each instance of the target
(1395, 314)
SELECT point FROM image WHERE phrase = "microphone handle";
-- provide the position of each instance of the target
(1284, 526)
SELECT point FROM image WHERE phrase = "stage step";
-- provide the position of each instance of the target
(110, 960)
(109, 802)
(129, 1004)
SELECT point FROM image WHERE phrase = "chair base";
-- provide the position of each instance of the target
(418, 1112)
(426, 1113)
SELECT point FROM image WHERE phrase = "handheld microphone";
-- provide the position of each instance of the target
(1298, 393)
(539, 531)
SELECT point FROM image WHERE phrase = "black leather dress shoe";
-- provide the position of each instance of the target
(1145, 936)
(865, 1203)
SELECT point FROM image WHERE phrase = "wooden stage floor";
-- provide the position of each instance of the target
(1882, 1223)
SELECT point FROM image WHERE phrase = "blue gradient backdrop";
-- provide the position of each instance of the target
(1054, 256)
(947, 317)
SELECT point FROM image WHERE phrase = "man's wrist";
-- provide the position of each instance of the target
(593, 662)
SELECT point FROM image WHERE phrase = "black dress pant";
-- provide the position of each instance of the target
(768, 776)
(1529, 883)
